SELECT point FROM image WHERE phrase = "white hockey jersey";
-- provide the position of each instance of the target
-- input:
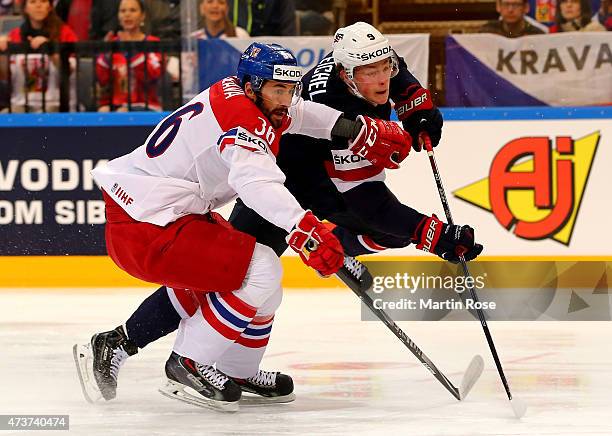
(214, 148)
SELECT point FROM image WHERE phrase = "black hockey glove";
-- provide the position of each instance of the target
(448, 242)
(416, 111)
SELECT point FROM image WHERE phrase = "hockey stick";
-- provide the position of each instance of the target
(357, 277)
(518, 406)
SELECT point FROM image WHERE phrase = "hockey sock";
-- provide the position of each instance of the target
(216, 325)
(154, 318)
(242, 359)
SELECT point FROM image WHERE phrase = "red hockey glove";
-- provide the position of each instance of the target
(316, 245)
(416, 111)
(448, 242)
(383, 143)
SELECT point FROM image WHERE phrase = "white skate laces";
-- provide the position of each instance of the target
(212, 376)
(264, 378)
(118, 359)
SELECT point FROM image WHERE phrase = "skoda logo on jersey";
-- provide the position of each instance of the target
(246, 140)
(287, 72)
(376, 53)
(347, 159)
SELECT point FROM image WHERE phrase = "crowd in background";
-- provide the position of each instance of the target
(132, 82)
(96, 19)
(528, 17)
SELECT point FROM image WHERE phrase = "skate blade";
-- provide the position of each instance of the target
(178, 391)
(471, 376)
(258, 400)
(83, 359)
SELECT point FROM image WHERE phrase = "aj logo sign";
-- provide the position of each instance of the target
(535, 185)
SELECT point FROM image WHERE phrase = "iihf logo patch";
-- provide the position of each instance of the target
(123, 196)
(114, 188)
(255, 51)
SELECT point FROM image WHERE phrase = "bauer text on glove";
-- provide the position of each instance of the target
(416, 111)
(447, 241)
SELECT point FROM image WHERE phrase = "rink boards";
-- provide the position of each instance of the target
(532, 182)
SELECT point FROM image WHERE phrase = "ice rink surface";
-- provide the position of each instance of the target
(351, 377)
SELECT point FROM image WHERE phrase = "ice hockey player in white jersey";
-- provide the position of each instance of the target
(161, 227)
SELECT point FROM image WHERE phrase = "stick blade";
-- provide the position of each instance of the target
(519, 407)
(471, 376)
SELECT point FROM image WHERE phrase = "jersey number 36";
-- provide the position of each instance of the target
(265, 131)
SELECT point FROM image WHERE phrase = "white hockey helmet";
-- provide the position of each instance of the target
(361, 44)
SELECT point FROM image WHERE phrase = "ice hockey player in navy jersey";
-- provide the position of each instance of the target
(362, 75)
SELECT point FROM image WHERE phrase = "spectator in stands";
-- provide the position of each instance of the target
(264, 17)
(215, 22)
(512, 23)
(315, 17)
(604, 15)
(575, 16)
(145, 70)
(543, 11)
(103, 18)
(163, 18)
(6, 7)
(37, 81)
(312, 23)
(76, 13)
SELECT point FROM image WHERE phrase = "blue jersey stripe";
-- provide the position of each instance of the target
(226, 314)
(257, 332)
(231, 132)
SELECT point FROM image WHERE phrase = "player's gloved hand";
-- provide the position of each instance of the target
(448, 242)
(416, 111)
(384, 143)
(316, 245)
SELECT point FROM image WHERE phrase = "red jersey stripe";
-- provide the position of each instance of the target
(353, 175)
(216, 324)
(237, 304)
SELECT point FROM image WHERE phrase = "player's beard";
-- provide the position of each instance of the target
(275, 115)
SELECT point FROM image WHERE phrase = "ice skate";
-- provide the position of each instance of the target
(98, 363)
(200, 385)
(268, 387)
